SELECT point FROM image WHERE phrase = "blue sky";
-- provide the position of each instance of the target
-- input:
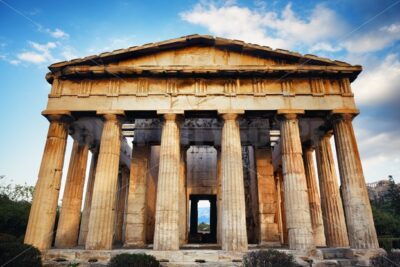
(34, 34)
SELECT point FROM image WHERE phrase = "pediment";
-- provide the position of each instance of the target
(197, 51)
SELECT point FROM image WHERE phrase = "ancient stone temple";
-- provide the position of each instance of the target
(167, 125)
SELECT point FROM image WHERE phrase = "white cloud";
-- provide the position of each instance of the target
(324, 46)
(373, 40)
(40, 54)
(380, 83)
(283, 29)
(57, 33)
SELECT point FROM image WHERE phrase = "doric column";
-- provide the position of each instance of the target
(279, 178)
(182, 199)
(84, 228)
(121, 201)
(39, 232)
(298, 219)
(70, 214)
(267, 196)
(234, 234)
(313, 197)
(166, 234)
(219, 197)
(332, 208)
(136, 216)
(279, 212)
(102, 214)
(360, 223)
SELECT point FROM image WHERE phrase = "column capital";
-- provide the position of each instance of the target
(57, 115)
(111, 115)
(308, 146)
(343, 114)
(289, 114)
(229, 116)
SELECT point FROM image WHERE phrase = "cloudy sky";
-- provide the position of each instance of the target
(34, 34)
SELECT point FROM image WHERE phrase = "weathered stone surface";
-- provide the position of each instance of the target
(120, 212)
(298, 220)
(70, 214)
(313, 197)
(267, 196)
(166, 233)
(84, 228)
(332, 207)
(39, 232)
(136, 212)
(234, 236)
(102, 214)
(360, 223)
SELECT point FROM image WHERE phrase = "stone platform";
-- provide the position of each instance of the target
(202, 255)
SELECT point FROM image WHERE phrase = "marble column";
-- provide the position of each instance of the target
(166, 234)
(219, 197)
(298, 219)
(136, 216)
(360, 223)
(313, 197)
(267, 196)
(84, 228)
(182, 199)
(102, 214)
(279, 212)
(70, 214)
(234, 234)
(332, 208)
(121, 202)
(39, 232)
(284, 238)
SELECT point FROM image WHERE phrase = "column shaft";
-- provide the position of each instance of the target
(267, 196)
(166, 234)
(234, 234)
(298, 217)
(314, 198)
(84, 228)
(102, 214)
(360, 223)
(136, 215)
(39, 232)
(121, 202)
(332, 208)
(182, 199)
(68, 223)
(219, 198)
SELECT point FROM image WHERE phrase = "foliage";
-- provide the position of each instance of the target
(390, 260)
(386, 222)
(16, 192)
(204, 227)
(133, 260)
(389, 243)
(268, 258)
(16, 254)
(13, 216)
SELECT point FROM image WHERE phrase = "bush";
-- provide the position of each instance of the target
(19, 254)
(268, 258)
(390, 260)
(133, 260)
(385, 243)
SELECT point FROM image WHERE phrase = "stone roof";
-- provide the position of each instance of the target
(96, 64)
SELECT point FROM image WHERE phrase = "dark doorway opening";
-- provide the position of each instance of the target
(203, 219)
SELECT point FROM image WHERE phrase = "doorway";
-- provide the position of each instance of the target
(203, 219)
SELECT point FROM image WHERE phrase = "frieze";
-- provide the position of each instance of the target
(85, 88)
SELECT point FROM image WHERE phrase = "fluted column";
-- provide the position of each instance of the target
(121, 202)
(332, 208)
(39, 232)
(84, 228)
(234, 234)
(313, 197)
(360, 223)
(68, 223)
(102, 214)
(297, 208)
(166, 234)
(136, 216)
(182, 199)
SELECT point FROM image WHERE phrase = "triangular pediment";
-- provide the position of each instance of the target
(198, 51)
